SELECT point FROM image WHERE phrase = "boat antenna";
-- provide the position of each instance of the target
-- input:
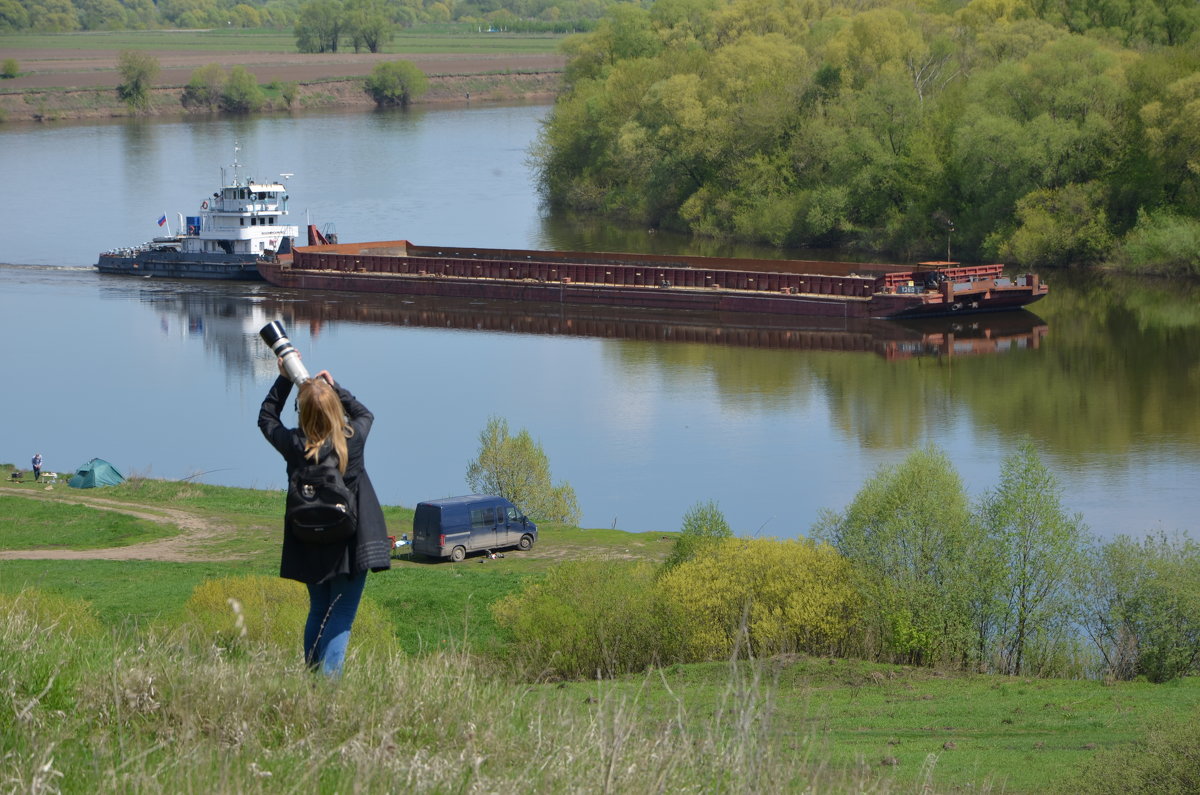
(237, 166)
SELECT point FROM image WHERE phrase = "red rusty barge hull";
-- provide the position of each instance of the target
(706, 284)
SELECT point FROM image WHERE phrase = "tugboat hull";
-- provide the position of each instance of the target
(174, 265)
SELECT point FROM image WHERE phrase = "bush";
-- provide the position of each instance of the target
(241, 94)
(205, 87)
(1143, 610)
(703, 524)
(1060, 226)
(241, 613)
(779, 596)
(138, 70)
(1164, 762)
(289, 91)
(1161, 242)
(9, 69)
(589, 619)
(396, 83)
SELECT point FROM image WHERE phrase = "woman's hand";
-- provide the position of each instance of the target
(325, 374)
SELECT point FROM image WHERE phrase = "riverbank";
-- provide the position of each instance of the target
(57, 84)
(198, 634)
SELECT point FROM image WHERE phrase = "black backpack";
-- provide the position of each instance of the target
(320, 507)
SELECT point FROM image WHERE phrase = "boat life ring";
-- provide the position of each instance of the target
(204, 204)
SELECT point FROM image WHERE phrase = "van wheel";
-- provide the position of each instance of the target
(457, 554)
(526, 542)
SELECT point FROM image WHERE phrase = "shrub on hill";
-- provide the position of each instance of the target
(396, 83)
(588, 619)
(762, 597)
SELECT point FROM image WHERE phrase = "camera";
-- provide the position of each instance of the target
(276, 339)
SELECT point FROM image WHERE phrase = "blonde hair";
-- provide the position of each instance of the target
(322, 419)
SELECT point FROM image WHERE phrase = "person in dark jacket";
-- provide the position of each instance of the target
(332, 422)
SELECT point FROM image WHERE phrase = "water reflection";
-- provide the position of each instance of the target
(227, 320)
(892, 340)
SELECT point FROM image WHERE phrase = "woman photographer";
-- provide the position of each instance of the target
(332, 423)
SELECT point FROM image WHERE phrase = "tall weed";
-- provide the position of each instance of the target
(162, 712)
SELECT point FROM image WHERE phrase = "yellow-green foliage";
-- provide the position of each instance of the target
(238, 612)
(69, 618)
(789, 595)
(590, 618)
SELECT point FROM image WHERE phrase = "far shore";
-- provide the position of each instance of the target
(59, 85)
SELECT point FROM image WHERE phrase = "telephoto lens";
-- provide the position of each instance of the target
(276, 339)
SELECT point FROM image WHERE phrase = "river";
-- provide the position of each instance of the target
(644, 416)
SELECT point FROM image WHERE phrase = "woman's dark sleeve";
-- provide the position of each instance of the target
(268, 416)
(360, 416)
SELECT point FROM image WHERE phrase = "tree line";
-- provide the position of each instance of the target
(1044, 133)
(210, 87)
(909, 572)
(63, 16)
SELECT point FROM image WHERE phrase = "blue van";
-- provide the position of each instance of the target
(452, 527)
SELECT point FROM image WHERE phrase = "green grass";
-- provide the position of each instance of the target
(32, 524)
(831, 723)
(407, 42)
(123, 592)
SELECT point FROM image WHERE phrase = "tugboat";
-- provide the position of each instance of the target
(240, 226)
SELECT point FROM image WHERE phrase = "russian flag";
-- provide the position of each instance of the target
(162, 220)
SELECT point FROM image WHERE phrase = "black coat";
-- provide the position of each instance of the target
(370, 548)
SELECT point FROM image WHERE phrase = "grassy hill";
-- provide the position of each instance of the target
(118, 679)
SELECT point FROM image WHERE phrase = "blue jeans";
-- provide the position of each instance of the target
(332, 606)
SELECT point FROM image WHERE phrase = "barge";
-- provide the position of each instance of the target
(238, 227)
(664, 282)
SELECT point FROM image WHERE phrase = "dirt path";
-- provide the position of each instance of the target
(182, 548)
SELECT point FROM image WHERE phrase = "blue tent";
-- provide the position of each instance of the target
(96, 472)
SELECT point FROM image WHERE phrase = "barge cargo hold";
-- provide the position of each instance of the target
(648, 281)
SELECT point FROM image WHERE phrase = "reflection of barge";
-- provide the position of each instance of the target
(760, 287)
(892, 339)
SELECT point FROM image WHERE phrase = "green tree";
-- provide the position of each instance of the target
(516, 468)
(916, 546)
(10, 68)
(1040, 551)
(1143, 611)
(368, 24)
(205, 87)
(241, 93)
(1060, 226)
(703, 524)
(13, 15)
(320, 26)
(396, 83)
(138, 71)
(1172, 130)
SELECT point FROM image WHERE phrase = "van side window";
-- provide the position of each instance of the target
(483, 517)
(511, 512)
